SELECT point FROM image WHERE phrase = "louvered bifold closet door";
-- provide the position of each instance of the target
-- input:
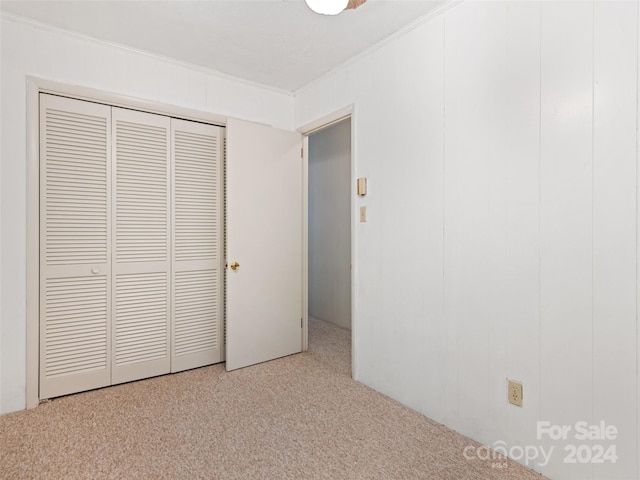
(197, 245)
(75, 234)
(141, 248)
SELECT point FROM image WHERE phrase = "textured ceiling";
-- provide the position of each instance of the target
(279, 43)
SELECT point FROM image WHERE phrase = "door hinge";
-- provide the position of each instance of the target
(302, 152)
(300, 323)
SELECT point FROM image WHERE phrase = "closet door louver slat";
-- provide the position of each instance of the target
(197, 245)
(75, 234)
(141, 226)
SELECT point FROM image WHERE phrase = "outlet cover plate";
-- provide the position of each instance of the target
(514, 392)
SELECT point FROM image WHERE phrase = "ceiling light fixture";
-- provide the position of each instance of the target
(327, 7)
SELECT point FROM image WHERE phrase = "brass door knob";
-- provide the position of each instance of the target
(234, 266)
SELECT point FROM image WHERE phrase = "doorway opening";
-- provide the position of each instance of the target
(329, 244)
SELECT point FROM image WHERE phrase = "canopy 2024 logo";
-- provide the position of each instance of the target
(589, 443)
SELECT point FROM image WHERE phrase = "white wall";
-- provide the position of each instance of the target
(500, 143)
(330, 224)
(28, 49)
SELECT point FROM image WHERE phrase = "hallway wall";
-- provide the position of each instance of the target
(330, 224)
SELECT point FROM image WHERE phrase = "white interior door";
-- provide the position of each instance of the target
(75, 253)
(197, 245)
(264, 236)
(141, 247)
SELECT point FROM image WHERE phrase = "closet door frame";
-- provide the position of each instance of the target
(34, 87)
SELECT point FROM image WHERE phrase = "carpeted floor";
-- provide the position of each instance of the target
(299, 417)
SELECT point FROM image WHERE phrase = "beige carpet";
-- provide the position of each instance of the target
(300, 417)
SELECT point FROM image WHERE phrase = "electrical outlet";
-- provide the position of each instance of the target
(514, 393)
